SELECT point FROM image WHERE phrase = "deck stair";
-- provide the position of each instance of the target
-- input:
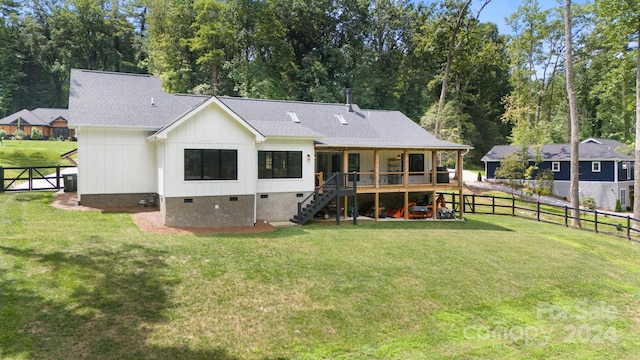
(332, 189)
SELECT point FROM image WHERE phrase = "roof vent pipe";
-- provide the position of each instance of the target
(349, 100)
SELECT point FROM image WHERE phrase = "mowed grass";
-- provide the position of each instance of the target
(91, 285)
(14, 153)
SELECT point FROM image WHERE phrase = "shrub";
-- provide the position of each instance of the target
(36, 134)
(618, 206)
(3, 134)
(589, 202)
(19, 134)
(479, 176)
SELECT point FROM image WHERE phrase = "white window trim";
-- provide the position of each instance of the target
(623, 197)
(555, 166)
(595, 166)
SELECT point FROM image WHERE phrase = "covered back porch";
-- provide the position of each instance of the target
(394, 173)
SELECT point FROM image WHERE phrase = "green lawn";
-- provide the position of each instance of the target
(14, 153)
(90, 285)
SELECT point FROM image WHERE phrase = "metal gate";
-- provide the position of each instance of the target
(31, 178)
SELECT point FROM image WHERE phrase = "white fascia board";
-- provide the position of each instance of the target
(114, 127)
(291, 137)
(395, 147)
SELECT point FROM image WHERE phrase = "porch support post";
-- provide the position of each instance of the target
(376, 168)
(406, 205)
(345, 178)
(405, 173)
(459, 168)
(434, 166)
(434, 205)
(376, 205)
(460, 188)
(345, 212)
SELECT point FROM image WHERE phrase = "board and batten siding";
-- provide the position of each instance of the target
(112, 161)
(306, 183)
(160, 165)
(209, 128)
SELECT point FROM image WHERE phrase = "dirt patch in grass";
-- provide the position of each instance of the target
(149, 219)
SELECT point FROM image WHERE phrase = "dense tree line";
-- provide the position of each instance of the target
(395, 54)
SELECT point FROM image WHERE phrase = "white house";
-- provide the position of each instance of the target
(221, 161)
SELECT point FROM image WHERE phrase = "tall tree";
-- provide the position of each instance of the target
(535, 51)
(623, 18)
(170, 56)
(212, 36)
(573, 113)
(10, 64)
(454, 44)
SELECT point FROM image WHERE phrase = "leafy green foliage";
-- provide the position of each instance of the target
(18, 134)
(36, 134)
(588, 202)
(513, 168)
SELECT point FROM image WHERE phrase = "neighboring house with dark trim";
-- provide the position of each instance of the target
(606, 169)
(50, 122)
(220, 161)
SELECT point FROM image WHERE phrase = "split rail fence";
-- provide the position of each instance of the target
(594, 220)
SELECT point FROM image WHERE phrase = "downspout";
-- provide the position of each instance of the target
(255, 187)
(255, 206)
(616, 181)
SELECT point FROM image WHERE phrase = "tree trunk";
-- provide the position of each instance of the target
(447, 67)
(573, 112)
(214, 77)
(636, 172)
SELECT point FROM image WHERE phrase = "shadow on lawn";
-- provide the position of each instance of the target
(467, 224)
(91, 304)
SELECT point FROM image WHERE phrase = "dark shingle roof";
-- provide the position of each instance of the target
(590, 149)
(364, 128)
(116, 99)
(37, 117)
(49, 115)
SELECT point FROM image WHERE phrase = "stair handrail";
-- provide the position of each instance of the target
(333, 179)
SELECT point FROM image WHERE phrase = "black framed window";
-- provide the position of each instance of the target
(210, 164)
(416, 163)
(279, 164)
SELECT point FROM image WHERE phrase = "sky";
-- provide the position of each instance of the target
(497, 10)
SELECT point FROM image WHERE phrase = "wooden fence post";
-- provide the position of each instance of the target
(629, 227)
(493, 204)
(473, 203)
(1, 179)
(58, 176)
(538, 210)
(513, 206)
(566, 216)
(596, 220)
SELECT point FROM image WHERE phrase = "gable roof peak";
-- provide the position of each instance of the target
(591, 140)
